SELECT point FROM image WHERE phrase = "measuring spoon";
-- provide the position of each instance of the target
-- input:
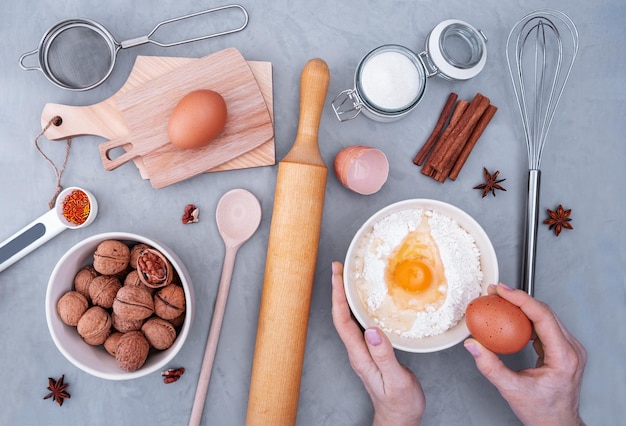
(238, 216)
(44, 228)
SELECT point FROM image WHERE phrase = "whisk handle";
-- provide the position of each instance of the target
(530, 231)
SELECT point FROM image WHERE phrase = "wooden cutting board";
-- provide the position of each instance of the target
(106, 119)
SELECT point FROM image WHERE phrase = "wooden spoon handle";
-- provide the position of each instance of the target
(214, 336)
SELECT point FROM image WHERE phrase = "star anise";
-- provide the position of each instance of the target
(57, 390)
(559, 219)
(491, 184)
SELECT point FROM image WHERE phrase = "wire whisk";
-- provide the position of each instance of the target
(540, 52)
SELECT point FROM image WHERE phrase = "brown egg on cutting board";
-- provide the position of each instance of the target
(198, 118)
(497, 324)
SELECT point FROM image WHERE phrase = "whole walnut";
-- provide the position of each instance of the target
(159, 332)
(111, 257)
(103, 289)
(71, 306)
(131, 351)
(125, 325)
(110, 344)
(94, 326)
(133, 303)
(169, 302)
(135, 252)
(83, 279)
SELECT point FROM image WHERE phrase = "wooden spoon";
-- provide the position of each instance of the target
(238, 216)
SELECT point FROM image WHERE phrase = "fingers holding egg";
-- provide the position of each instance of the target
(198, 118)
(498, 324)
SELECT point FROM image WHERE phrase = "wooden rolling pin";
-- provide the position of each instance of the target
(290, 264)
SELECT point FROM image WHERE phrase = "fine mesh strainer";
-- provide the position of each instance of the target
(79, 54)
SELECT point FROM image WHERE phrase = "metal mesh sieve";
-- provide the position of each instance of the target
(79, 54)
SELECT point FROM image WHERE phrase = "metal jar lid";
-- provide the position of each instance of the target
(455, 50)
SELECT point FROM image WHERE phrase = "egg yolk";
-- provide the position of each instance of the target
(415, 275)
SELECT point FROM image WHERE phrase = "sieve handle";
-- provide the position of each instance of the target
(26, 55)
(530, 232)
(147, 38)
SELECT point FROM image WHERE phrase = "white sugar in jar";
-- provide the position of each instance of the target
(390, 81)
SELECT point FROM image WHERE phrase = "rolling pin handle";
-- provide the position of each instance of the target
(314, 82)
(313, 88)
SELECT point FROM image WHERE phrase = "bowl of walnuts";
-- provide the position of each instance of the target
(119, 305)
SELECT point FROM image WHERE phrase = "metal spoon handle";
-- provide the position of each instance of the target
(530, 232)
(214, 335)
(29, 238)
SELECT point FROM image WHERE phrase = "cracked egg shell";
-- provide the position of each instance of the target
(361, 169)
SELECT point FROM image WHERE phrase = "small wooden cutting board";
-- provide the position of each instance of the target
(107, 120)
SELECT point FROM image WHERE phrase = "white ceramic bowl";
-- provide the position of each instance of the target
(488, 263)
(94, 359)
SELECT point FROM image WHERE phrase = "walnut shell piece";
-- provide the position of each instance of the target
(169, 302)
(132, 351)
(94, 326)
(83, 279)
(159, 332)
(111, 257)
(154, 269)
(103, 289)
(135, 252)
(190, 214)
(71, 306)
(133, 303)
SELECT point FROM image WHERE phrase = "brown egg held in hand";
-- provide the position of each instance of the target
(497, 324)
(197, 119)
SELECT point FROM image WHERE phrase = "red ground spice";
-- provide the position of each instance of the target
(76, 207)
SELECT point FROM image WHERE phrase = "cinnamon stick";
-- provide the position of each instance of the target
(481, 125)
(459, 109)
(458, 137)
(434, 136)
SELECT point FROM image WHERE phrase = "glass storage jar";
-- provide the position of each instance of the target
(390, 80)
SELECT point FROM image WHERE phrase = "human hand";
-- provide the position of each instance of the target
(548, 394)
(396, 393)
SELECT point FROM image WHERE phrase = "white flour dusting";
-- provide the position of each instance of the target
(458, 252)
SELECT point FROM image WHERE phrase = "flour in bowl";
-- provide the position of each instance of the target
(416, 272)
